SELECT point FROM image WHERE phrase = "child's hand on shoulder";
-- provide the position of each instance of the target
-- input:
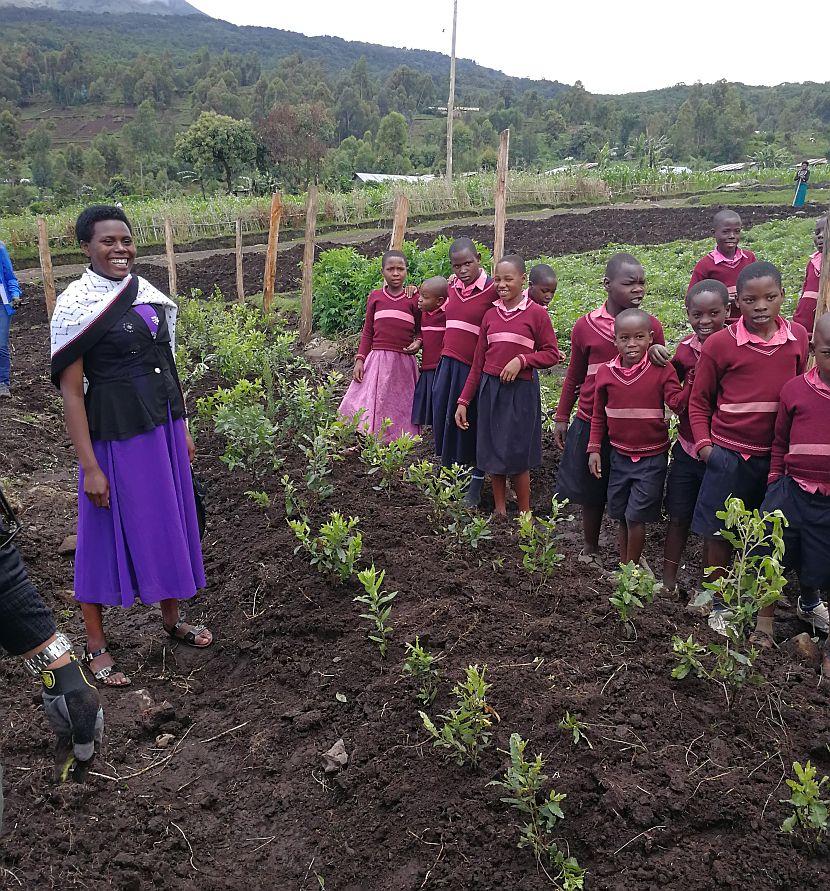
(413, 347)
(659, 355)
(410, 291)
(511, 370)
(357, 373)
(461, 418)
(595, 464)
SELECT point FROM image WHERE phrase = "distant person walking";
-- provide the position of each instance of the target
(802, 178)
(9, 298)
(138, 535)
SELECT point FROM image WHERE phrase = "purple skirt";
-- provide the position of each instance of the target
(386, 391)
(146, 544)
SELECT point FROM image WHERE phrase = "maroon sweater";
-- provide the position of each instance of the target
(801, 447)
(736, 390)
(725, 272)
(592, 345)
(685, 361)
(464, 313)
(525, 332)
(433, 325)
(805, 312)
(630, 408)
(391, 322)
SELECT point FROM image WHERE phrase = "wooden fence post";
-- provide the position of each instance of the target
(501, 197)
(171, 256)
(46, 265)
(399, 222)
(271, 252)
(240, 281)
(308, 262)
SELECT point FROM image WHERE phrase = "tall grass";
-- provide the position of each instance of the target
(196, 218)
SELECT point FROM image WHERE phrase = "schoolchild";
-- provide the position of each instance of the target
(725, 262)
(629, 409)
(805, 311)
(469, 296)
(431, 299)
(734, 403)
(799, 479)
(385, 370)
(516, 338)
(542, 283)
(707, 305)
(592, 345)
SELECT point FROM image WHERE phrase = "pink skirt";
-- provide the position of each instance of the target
(386, 391)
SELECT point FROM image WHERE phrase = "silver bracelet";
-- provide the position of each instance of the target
(60, 646)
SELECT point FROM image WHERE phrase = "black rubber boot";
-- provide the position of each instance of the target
(472, 498)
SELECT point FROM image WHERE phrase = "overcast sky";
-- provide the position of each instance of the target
(612, 47)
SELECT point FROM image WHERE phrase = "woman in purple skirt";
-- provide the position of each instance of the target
(112, 339)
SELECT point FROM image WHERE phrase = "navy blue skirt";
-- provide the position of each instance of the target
(452, 445)
(509, 438)
(422, 400)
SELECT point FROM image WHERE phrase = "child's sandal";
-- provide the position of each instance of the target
(104, 674)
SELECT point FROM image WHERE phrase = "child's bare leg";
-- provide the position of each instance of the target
(717, 556)
(521, 485)
(499, 482)
(591, 525)
(764, 621)
(636, 535)
(622, 541)
(676, 537)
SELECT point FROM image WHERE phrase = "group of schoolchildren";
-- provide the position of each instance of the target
(753, 421)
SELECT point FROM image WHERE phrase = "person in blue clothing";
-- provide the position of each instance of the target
(9, 298)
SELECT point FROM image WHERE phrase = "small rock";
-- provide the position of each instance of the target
(336, 757)
(803, 649)
(163, 740)
(308, 720)
(140, 700)
(68, 545)
(321, 349)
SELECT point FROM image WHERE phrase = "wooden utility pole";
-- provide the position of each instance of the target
(240, 281)
(46, 265)
(169, 249)
(501, 197)
(451, 99)
(308, 262)
(271, 252)
(399, 222)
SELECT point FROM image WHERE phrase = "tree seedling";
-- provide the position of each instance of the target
(336, 548)
(387, 459)
(809, 815)
(465, 730)
(635, 585)
(263, 499)
(538, 540)
(377, 604)
(524, 783)
(571, 724)
(420, 666)
(754, 580)
(294, 504)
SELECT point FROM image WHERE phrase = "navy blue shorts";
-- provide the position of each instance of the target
(574, 481)
(728, 475)
(635, 488)
(683, 484)
(807, 537)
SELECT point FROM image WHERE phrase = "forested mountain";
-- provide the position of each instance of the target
(118, 104)
(147, 7)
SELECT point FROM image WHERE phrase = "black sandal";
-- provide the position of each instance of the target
(107, 671)
(189, 637)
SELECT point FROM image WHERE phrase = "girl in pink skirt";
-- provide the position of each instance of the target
(385, 369)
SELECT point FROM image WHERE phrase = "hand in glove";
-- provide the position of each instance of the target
(73, 707)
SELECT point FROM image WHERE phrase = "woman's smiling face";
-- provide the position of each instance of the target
(111, 250)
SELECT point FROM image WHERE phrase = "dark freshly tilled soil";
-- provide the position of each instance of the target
(677, 791)
(561, 234)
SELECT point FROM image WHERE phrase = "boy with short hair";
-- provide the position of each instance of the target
(733, 406)
(799, 479)
(592, 345)
(727, 260)
(541, 284)
(629, 406)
